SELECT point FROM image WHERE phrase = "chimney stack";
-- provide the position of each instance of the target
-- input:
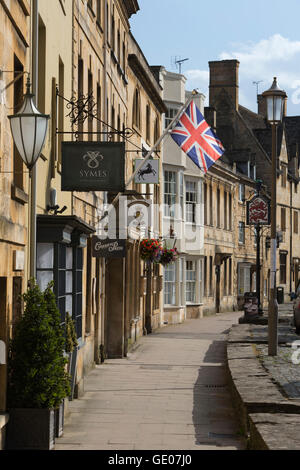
(262, 105)
(224, 74)
(210, 115)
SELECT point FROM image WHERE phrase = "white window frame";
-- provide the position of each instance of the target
(172, 283)
(172, 110)
(170, 198)
(191, 281)
(193, 203)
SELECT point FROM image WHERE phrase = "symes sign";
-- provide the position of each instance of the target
(93, 166)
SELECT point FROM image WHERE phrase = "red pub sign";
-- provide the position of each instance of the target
(258, 211)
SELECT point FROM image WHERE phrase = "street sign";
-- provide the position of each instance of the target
(108, 248)
(258, 211)
(148, 173)
(93, 166)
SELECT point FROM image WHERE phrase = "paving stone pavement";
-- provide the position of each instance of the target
(171, 393)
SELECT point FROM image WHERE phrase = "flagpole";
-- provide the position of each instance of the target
(166, 131)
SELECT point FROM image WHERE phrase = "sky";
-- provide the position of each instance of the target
(264, 35)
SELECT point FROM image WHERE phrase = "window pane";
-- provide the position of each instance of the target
(191, 281)
(170, 193)
(69, 258)
(62, 283)
(45, 256)
(62, 256)
(69, 281)
(69, 304)
(43, 279)
(170, 284)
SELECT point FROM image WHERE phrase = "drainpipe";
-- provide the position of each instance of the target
(103, 267)
(33, 178)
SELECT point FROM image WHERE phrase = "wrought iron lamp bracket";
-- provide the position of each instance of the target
(83, 108)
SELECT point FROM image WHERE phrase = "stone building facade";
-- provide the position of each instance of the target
(246, 137)
(14, 62)
(183, 212)
(96, 62)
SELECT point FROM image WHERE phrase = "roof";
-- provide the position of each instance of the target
(131, 6)
(264, 136)
(292, 132)
(254, 120)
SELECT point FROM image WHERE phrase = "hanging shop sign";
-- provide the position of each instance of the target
(108, 248)
(148, 173)
(93, 166)
(258, 211)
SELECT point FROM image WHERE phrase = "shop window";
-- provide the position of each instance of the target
(62, 264)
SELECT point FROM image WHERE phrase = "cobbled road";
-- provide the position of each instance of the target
(171, 393)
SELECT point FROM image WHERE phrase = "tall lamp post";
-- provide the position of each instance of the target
(275, 101)
(29, 129)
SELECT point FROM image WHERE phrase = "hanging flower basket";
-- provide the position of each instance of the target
(168, 256)
(151, 250)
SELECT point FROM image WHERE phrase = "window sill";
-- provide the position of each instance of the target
(18, 195)
(173, 307)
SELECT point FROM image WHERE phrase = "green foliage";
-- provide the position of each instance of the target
(37, 375)
(71, 337)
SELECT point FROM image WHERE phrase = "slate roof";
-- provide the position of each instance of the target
(264, 136)
(254, 120)
(292, 132)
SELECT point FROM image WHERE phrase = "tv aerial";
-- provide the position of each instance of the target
(177, 62)
(257, 85)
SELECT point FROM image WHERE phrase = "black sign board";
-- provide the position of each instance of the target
(108, 248)
(93, 166)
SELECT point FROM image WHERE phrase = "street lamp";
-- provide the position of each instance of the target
(170, 240)
(29, 129)
(275, 102)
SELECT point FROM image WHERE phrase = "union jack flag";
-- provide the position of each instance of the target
(197, 139)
